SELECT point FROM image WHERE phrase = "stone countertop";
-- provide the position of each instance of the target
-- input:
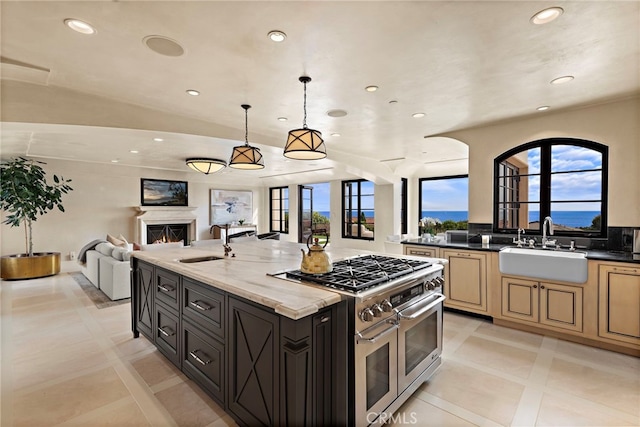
(246, 274)
(599, 255)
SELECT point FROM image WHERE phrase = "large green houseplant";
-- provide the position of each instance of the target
(25, 195)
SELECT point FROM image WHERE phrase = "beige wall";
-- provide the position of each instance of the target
(104, 200)
(616, 125)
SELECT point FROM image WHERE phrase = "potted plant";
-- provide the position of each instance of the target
(24, 196)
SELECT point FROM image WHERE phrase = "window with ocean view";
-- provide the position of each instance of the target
(358, 217)
(279, 212)
(562, 178)
(444, 203)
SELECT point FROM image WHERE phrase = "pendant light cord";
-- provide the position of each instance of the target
(246, 126)
(304, 121)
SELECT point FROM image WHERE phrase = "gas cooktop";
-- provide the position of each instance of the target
(362, 272)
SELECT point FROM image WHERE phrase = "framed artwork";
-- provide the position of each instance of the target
(229, 206)
(162, 192)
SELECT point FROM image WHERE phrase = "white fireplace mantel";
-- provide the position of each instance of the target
(153, 215)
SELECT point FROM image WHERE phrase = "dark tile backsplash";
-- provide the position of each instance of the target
(619, 238)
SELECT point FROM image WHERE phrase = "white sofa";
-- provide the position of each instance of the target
(108, 268)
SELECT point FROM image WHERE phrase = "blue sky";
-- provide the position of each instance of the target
(321, 195)
(445, 195)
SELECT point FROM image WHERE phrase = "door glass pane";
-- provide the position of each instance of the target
(378, 375)
(420, 341)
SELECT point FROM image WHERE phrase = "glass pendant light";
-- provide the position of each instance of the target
(206, 165)
(245, 156)
(305, 143)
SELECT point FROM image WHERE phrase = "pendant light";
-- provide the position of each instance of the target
(245, 156)
(305, 143)
(206, 165)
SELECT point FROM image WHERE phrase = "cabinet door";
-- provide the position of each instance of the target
(520, 299)
(421, 251)
(253, 344)
(466, 280)
(619, 303)
(561, 306)
(143, 302)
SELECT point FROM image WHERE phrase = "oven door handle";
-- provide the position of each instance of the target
(394, 325)
(422, 310)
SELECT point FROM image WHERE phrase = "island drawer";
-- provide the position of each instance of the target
(203, 360)
(168, 288)
(167, 334)
(203, 306)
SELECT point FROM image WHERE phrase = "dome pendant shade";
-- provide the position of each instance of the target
(205, 165)
(246, 157)
(305, 144)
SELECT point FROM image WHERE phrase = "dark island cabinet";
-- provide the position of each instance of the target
(142, 303)
(261, 367)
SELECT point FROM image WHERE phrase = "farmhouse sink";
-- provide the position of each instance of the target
(544, 264)
(201, 259)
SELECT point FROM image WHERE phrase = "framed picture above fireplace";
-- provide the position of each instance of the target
(162, 192)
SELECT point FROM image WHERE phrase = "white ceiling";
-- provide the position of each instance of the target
(461, 63)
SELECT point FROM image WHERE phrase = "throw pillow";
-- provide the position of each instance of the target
(136, 246)
(116, 242)
(118, 253)
(105, 248)
(121, 237)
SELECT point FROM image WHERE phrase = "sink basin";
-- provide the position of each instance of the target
(201, 259)
(544, 264)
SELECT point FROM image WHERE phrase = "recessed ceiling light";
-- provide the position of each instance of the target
(134, 151)
(277, 36)
(282, 119)
(336, 113)
(335, 134)
(544, 107)
(79, 26)
(115, 161)
(547, 15)
(158, 139)
(560, 80)
(371, 88)
(417, 115)
(193, 92)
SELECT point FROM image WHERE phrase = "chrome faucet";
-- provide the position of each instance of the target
(520, 241)
(227, 249)
(547, 221)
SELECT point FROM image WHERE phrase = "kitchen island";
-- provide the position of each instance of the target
(268, 350)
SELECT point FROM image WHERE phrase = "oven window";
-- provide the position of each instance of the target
(420, 341)
(378, 375)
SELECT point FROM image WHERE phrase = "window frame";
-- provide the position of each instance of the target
(546, 173)
(359, 236)
(404, 223)
(284, 220)
(433, 178)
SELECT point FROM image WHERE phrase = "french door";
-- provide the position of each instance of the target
(305, 215)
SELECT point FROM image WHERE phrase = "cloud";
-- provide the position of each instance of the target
(449, 194)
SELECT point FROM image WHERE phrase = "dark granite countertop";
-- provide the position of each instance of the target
(600, 255)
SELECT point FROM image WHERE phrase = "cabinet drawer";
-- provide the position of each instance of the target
(167, 333)
(167, 288)
(204, 361)
(423, 251)
(204, 306)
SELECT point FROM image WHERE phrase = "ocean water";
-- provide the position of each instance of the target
(568, 218)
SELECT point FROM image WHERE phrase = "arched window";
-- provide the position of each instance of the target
(563, 178)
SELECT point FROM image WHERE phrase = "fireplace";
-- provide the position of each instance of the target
(168, 233)
(165, 224)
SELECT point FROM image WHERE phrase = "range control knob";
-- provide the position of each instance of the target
(366, 315)
(377, 310)
(439, 281)
(387, 307)
(430, 285)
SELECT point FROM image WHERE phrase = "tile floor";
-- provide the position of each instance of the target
(64, 362)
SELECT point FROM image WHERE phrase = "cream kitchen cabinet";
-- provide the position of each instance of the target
(426, 251)
(465, 280)
(619, 302)
(550, 304)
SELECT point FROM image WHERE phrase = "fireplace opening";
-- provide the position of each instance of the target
(167, 233)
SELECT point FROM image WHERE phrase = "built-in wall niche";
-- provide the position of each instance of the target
(168, 233)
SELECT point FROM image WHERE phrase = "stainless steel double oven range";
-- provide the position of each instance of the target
(396, 323)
